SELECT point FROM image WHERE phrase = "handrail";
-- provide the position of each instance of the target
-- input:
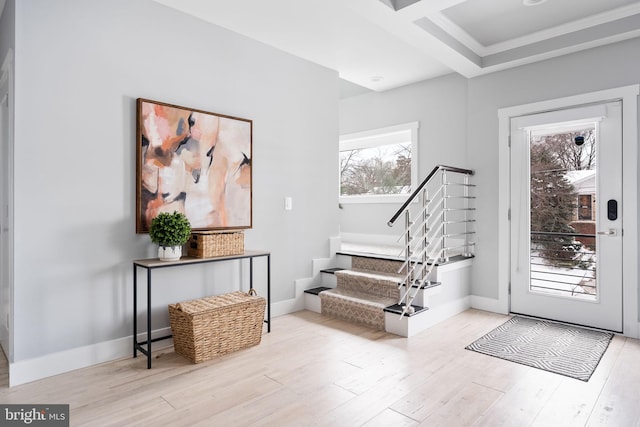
(421, 186)
(427, 233)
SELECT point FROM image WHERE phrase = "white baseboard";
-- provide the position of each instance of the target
(288, 306)
(25, 371)
(489, 304)
(292, 305)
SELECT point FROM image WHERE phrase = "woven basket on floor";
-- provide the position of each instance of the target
(205, 328)
(205, 244)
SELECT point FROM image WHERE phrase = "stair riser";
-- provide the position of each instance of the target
(410, 326)
(433, 275)
(329, 280)
(353, 312)
(424, 295)
(343, 261)
(368, 285)
(376, 264)
(312, 303)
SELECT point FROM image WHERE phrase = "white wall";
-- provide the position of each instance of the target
(440, 107)
(80, 65)
(605, 67)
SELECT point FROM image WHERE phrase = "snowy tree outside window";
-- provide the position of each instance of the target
(378, 165)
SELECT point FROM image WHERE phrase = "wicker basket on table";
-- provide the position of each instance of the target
(205, 328)
(205, 244)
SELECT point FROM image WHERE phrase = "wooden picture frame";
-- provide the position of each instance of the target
(195, 162)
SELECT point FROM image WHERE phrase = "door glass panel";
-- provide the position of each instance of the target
(562, 211)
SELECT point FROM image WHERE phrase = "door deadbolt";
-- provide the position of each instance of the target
(612, 210)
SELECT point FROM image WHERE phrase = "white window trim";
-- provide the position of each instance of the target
(382, 136)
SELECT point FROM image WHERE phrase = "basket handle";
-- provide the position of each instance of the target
(252, 292)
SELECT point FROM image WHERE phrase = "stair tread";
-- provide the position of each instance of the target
(316, 291)
(370, 255)
(397, 309)
(427, 285)
(332, 270)
(452, 258)
(369, 299)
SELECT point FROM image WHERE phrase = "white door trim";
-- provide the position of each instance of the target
(7, 79)
(629, 97)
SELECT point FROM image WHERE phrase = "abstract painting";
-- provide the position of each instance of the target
(194, 162)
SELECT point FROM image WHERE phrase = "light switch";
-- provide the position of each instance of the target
(288, 203)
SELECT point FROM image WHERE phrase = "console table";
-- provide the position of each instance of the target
(154, 263)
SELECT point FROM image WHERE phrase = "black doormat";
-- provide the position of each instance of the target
(562, 349)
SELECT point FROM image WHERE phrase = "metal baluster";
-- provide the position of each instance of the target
(425, 230)
(467, 251)
(443, 227)
(407, 253)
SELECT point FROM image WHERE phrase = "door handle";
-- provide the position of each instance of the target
(611, 232)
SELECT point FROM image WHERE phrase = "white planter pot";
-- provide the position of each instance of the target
(169, 253)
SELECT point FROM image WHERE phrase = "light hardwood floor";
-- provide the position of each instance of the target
(313, 370)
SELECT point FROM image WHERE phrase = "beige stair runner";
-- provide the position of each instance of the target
(363, 292)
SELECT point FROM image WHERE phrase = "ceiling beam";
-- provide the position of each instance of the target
(399, 4)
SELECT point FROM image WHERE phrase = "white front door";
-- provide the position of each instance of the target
(566, 215)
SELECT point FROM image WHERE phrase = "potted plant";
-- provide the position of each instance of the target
(170, 231)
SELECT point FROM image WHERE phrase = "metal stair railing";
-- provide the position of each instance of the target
(438, 222)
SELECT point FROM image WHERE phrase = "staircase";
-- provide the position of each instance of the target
(427, 282)
(350, 293)
(363, 292)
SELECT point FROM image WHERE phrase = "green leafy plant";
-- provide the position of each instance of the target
(170, 229)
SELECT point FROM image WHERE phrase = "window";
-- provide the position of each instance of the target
(585, 207)
(379, 165)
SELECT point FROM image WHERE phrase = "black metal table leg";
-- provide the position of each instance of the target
(269, 293)
(135, 311)
(148, 318)
(251, 273)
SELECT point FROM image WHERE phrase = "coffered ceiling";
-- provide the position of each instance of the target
(383, 44)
